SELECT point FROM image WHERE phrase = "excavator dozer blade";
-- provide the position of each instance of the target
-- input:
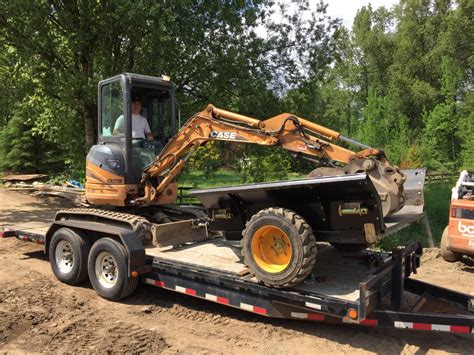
(180, 232)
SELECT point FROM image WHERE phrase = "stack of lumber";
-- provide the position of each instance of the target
(29, 183)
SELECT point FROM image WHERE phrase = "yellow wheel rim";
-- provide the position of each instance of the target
(271, 249)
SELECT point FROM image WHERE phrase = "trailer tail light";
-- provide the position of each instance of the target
(459, 212)
(456, 212)
(352, 313)
(453, 212)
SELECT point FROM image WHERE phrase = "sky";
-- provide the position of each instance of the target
(343, 9)
(347, 9)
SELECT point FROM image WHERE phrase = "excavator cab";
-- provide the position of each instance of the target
(114, 166)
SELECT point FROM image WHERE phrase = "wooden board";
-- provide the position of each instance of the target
(26, 177)
(216, 254)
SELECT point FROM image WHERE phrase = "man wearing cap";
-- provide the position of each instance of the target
(140, 126)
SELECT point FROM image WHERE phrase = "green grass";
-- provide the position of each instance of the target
(437, 199)
(220, 178)
(197, 179)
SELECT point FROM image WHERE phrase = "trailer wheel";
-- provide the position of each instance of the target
(68, 252)
(348, 247)
(108, 270)
(447, 254)
(279, 247)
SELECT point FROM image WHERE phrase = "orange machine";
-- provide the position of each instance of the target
(458, 236)
(123, 170)
(135, 175)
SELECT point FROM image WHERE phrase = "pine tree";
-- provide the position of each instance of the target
(23, 150)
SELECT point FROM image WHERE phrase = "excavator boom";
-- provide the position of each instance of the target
(291, 132)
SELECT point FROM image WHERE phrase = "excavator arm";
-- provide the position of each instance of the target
(291, 132)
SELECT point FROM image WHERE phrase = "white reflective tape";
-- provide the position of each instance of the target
(406, 325)
(180, 289)
(150, 281)
(211, 297)
(441, 327)
(246, 307)
(349, 320)
(313, 305)
(299, 315)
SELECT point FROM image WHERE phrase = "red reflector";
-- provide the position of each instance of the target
(190, 292)
(159, 283)
(315, 316)
(421, 326)
(222, 300)
(460, 329)
(259, 310)
(372, 322)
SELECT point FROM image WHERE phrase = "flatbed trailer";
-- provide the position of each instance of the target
(368, 288)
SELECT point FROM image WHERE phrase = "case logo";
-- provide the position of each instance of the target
(114, 181)
(223, 135)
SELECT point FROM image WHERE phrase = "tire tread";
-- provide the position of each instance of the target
(305, 233)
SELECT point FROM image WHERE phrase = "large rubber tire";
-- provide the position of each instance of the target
(446, 254)
(68, 251)
(108, 270)
(349, 247)
(279, 247)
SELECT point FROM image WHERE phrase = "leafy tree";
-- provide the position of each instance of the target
(440, 144)
(401, 79)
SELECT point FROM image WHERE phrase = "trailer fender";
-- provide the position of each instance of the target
(96, 230)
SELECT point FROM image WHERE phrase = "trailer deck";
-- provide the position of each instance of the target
(330, 276)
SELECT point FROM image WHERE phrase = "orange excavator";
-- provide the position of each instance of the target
(120, 186)
(131, 180)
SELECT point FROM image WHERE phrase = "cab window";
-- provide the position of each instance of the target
(160, 116)
(111, 107)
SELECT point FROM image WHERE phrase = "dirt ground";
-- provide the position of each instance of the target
(38, 314)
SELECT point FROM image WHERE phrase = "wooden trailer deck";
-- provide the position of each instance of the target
(336, 274)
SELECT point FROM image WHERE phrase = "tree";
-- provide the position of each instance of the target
(24, 150)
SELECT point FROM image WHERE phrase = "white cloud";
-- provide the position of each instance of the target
(348, 9)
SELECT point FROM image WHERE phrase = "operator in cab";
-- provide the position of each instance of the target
(140, 127)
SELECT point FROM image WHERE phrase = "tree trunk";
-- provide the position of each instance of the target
(90, 124)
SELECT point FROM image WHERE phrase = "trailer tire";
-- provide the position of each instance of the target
(348, 247)
(68, 251)
(279, 247)
(108, 270)
(446, 254)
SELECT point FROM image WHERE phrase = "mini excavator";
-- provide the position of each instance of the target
(278, 229)
(124, 171)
